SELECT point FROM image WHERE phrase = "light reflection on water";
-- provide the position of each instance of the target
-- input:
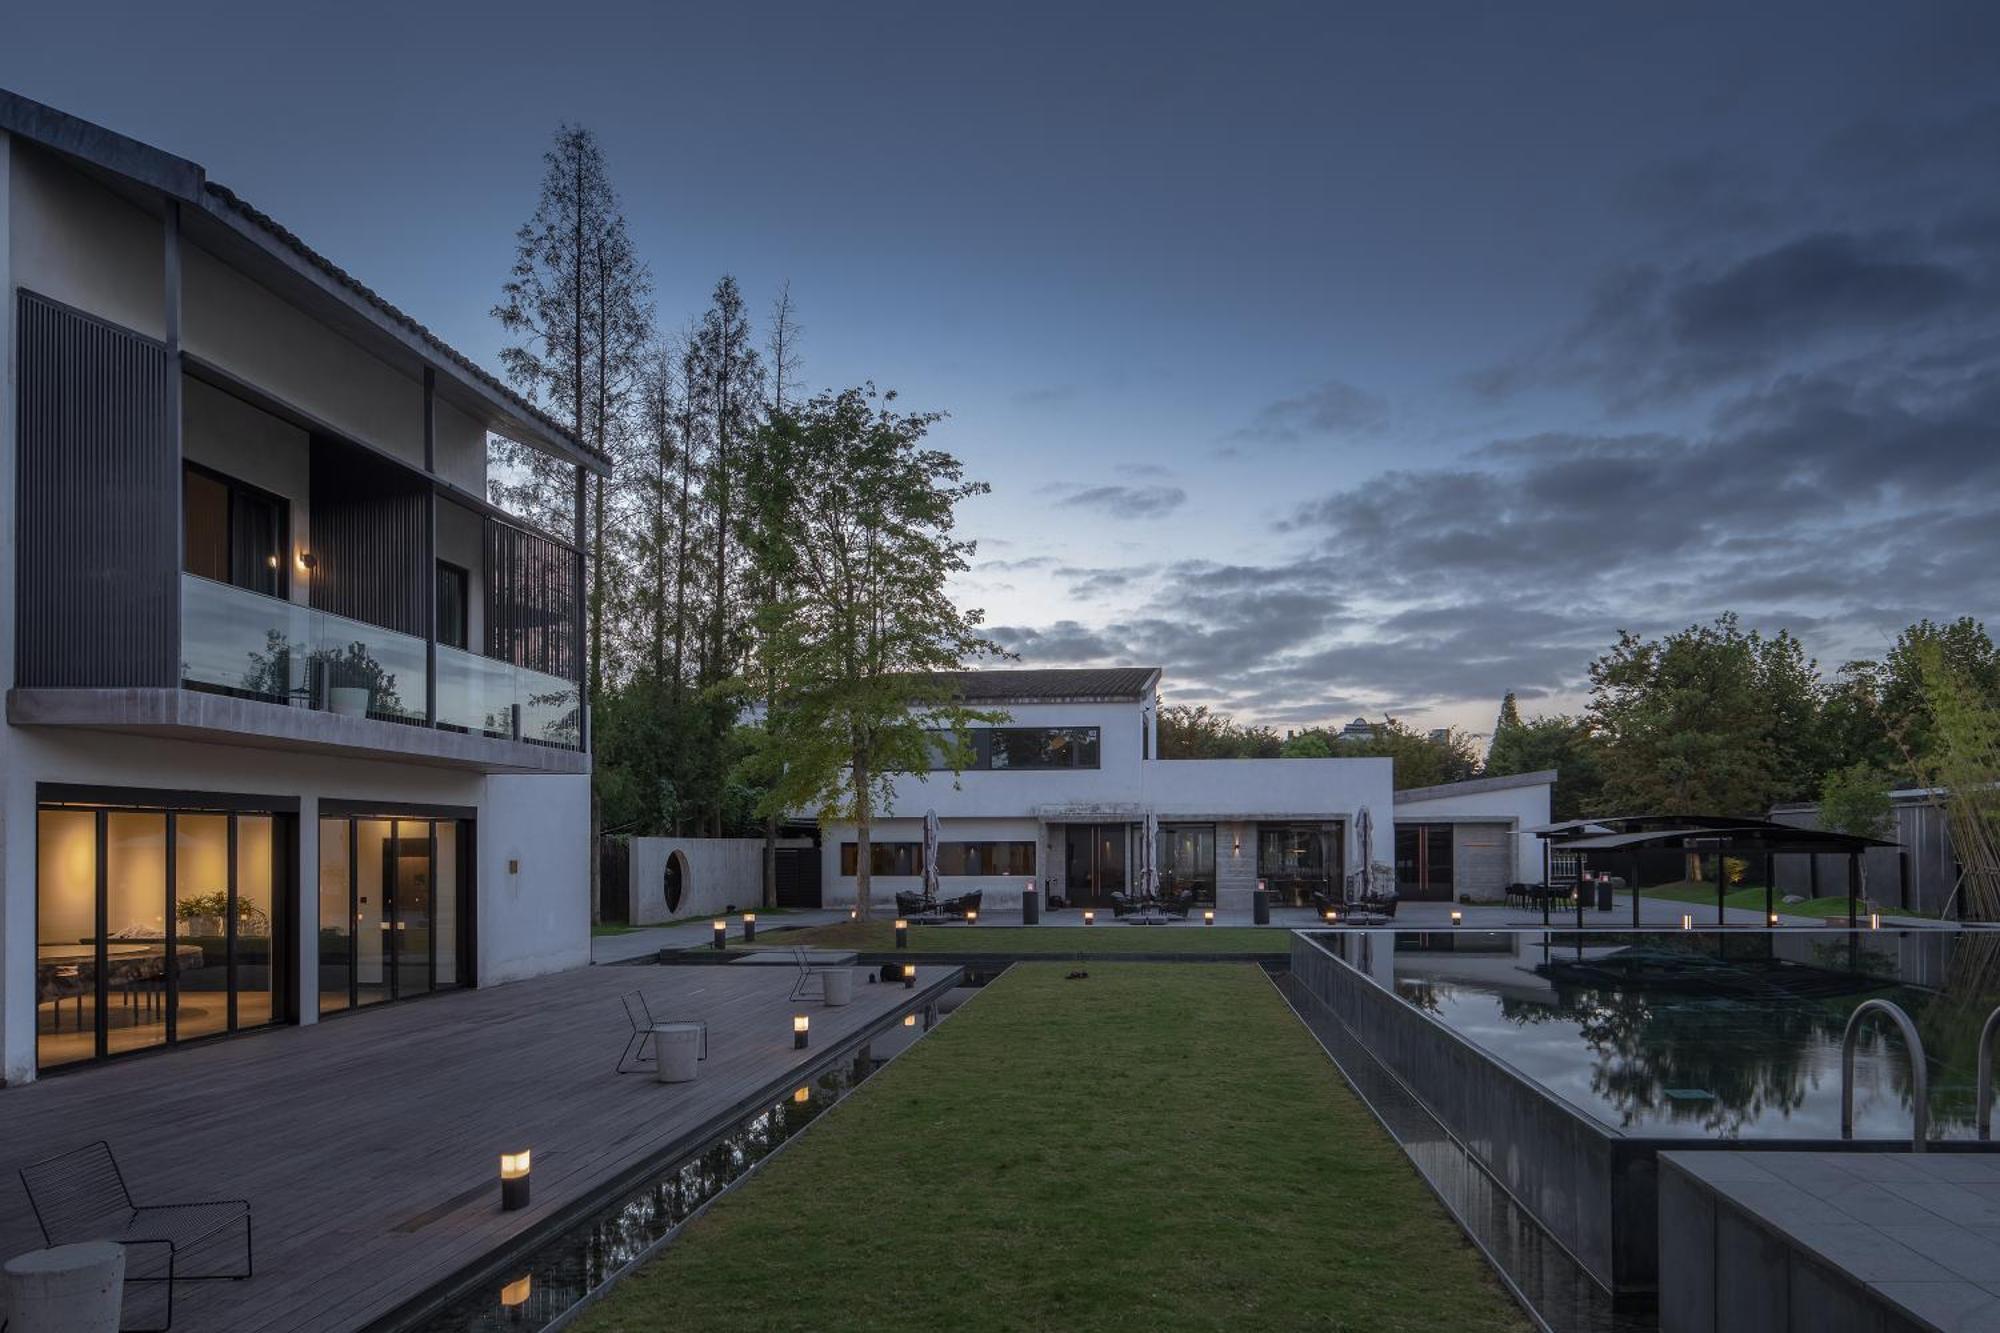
(1735, 1036)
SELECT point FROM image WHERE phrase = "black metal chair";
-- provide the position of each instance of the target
(640, 1015)
(81, 1195)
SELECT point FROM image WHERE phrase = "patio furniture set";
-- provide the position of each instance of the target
(1366, 910)
(926, 909)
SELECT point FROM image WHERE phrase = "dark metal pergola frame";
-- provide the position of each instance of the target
(1722, 836)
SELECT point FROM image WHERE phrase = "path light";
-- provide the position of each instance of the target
(1208, 916)
(909, 1020)
(1457, 917)
(1089, 917)
(902, 933)
(1874, 921)
(722, 934)
(1774, 918)
(1687, 921)
(749, 926)
(1331, 916)
(972, 918)
(515, 1294)
(513, 1180)
(800, 1024)
(909, 976)
(853, 914)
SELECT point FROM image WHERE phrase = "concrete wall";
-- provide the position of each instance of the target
(1931, 872)
(720, 874)
(1511, 809)
(536, 919)
(77, 242)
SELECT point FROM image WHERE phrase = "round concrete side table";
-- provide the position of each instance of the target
(68, 1289)
(839, 986)
(677, 1051)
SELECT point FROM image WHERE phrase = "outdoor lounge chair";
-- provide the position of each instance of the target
(809, 976)
(914, 904)
(1123, 904)
(1176, 904)
(959, 906)
(81, 1195)
(640, 1015)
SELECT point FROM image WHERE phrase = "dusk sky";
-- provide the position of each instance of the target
(1337, 360)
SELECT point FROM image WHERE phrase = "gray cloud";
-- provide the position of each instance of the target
(1127, 501)
(1331, 408)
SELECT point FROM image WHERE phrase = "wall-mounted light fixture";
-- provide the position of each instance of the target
(308, 562)
(514, 1180)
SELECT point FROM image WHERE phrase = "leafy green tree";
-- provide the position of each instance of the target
(1961, 651)
(1423, 759)
(862, 624)
(1855, 800)
(1509, 719)
(1193, 731)
(1560, 742)
(1306, 745)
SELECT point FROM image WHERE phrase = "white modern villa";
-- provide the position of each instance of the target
(292, 723)
(1060, 794)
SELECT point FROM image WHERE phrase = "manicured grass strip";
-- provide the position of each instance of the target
(1152, 1147)
(1067, 941)
(1752, 900)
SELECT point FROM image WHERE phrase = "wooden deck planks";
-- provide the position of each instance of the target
(352, 1138)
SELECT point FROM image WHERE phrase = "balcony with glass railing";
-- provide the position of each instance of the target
(249, 645)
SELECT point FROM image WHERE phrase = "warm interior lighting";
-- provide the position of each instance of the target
(514, 1165)
(802, 1096)
(516, 1293)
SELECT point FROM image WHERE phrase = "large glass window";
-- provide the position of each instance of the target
(1187, 860)
(392, 910)
(1033, 748)
(1424, 861)
(986, 858)
(1296, 861)
(233, 533)
(154, 926)
(884, 858)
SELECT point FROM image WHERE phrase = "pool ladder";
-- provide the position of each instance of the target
(1920, 1092)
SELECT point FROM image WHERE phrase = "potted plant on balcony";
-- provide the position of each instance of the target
(355, 682)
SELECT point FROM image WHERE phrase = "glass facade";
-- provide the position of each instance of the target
(1424, 862)
(1186, 858)
(884, 858)
(1037, 749)
(1015, 859)
(1296, 861)
(155, 926)
(392, 911)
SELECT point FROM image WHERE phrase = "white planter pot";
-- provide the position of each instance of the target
(839, 987)
(69, 1289)
(348, 700)
(677, 1050)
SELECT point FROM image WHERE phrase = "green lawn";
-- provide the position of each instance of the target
(1067, 941)
(1150, 1147)
(1752, 900)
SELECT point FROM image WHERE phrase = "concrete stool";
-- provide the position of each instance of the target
(68, 1289)
(677, 1052)
(839, 986)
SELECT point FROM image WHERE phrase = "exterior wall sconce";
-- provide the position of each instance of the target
(721, 935)
(909, 976)
(1208, 916)
(1687, 921)
(1236, 844)
(515, 1294)
(749, 926)
(514, 1181)
(801, 1030)
(308, 562)
(1089, 917)
(271, 561)
(1457, 917)
(902, 933)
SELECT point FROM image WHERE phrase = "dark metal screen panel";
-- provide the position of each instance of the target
(95, 550)
(531, 601)
(369, 539)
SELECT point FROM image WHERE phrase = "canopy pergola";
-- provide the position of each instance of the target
(1719, 835)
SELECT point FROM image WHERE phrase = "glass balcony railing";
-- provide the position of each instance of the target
(234, 641)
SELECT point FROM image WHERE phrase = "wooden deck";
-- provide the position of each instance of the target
(369, 1145)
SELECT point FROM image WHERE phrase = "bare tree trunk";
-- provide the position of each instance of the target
(864, 819)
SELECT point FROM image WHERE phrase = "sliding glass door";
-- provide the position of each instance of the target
(392, 909)
(156, 926)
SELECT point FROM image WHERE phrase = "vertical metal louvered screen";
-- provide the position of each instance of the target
(368, 539)
(531, 601)
(96, 534)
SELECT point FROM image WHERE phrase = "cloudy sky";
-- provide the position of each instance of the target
(1335, 360)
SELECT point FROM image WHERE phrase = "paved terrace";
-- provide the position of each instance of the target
(369, 1145)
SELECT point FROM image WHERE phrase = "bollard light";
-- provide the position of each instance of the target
(513, 1180)
(902, 933)
(1457, 918)
(853, 914)
(1208, 916)
(972, 918)
(909, 1020)
(1774, 918)
(800, 1026)
(749, 926)
(722, 934)
(1331, 916)
(909, 976)
(515, 1294)
(1874, 921)
(1687, 921)
(1089, 917)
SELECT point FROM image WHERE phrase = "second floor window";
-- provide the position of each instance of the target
(232, 532)
(1031, 748)
(452, 598)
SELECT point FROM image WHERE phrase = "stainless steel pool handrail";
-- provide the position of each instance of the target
(1920, 1094)
(1986, 1074)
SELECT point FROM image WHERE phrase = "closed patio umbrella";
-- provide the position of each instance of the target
(1149, 864)
(1364, 836)
(930, 856)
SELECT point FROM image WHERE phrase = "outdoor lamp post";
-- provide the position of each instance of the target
(1208, 916)
(972, 918)
(909, 976)
(513, 1180)
(801, 1026)
(1089, 917)
(721, 940)
(902, 933)
(1457, 917)
(749, 927)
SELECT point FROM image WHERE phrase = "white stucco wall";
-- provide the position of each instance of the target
(535, 919)
(1515, 808)
(1013, 791)
(722, 874)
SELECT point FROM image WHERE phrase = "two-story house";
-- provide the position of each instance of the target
(1060, 794)
(293, 723)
